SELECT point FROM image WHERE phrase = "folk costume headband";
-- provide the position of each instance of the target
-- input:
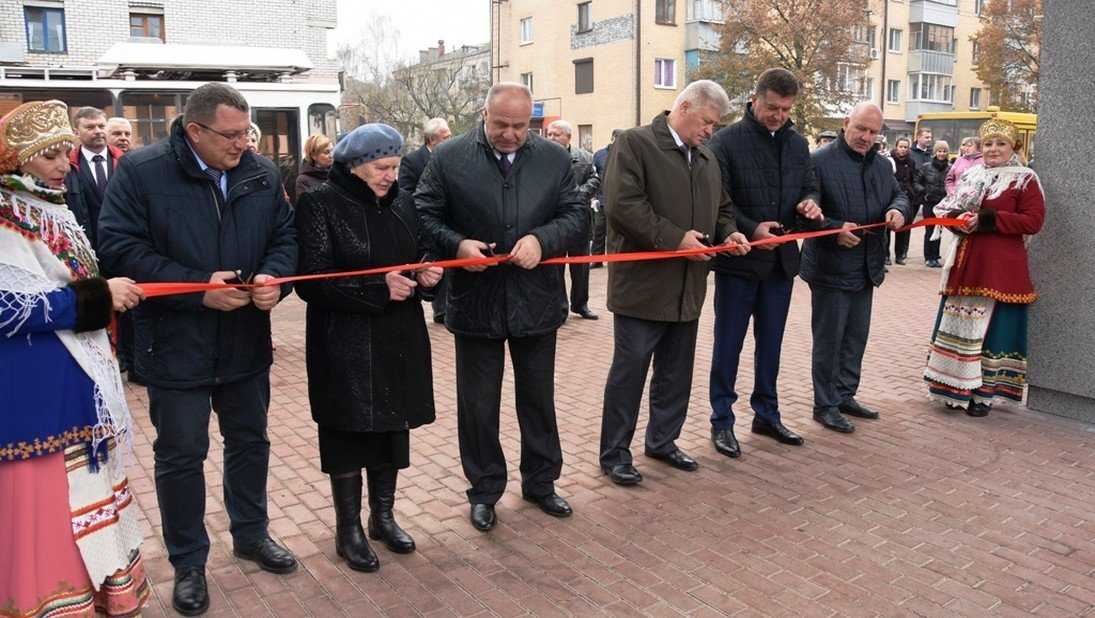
(998, 127)
(32, 129)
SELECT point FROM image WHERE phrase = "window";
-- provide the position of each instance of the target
(871, 37)
(322, 119)
(931, 87)
(585, 24)
(585, 137)
(526, 79)
(894, 42)
(45, 30)
(526, 30)
(978, 6)
(711, 11)
(151, 114)
(893, 91)
(665, 12)
(931, 37)
(975, 53)
(583, 76)
(665, 73)
(146, 25)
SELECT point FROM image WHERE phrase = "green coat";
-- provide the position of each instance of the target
(652, 198)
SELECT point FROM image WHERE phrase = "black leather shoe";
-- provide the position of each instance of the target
(777, 431)
(269, 556)
(900, 261)
(191, 595)
(439, 318)
(831, 419)
(585, 313)
(887, 261)
(553, 504)
(854, 408)
(725, 442)
(382, 524)
(677, 459)
(978, 409)
(483, 517)
(623, 474)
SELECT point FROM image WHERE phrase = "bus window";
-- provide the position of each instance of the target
(151, 114)
(280, 141)
(322, 118)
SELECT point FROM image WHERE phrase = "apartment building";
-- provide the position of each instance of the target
(606, 64)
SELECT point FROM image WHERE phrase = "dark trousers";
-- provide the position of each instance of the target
(841, 322)
(931, 247)
(736, 301)
(479, 366)
(600, 231)
(672, 347)
(439, 295)
(900, 245)
(124, 341)
(181, 418)
(579, 273)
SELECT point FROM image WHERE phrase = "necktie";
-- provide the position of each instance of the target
(505, 165)
(687, 153)
(215, 175)
(100, 173)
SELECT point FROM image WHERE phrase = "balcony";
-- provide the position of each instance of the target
(927, 61)
(914, 108)
(702, 36)
(941, 12)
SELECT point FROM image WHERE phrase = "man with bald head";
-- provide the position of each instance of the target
(501, 190)
(856, 187)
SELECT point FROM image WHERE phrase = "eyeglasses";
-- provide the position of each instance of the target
(232, 137)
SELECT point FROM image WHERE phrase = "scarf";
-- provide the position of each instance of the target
(54, 252)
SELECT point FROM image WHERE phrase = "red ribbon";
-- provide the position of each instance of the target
(153, 290)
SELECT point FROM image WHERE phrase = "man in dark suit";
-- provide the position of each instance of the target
(94, 163)
(766, 170)
(434, 132)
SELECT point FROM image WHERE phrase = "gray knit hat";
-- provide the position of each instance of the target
(368, 143)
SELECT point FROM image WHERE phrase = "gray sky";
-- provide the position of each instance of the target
(420, 22)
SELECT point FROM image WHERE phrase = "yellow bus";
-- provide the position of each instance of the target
(953, 127)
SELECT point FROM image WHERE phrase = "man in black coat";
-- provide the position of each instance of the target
(767, 172)
(501, 190)
(434, 132)
(857, 187)
(581, 162)
(200, 207)
(600, 229)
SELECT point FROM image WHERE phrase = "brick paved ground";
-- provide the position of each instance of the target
(923, 512)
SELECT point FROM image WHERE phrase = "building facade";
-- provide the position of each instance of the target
(607, 64)
(139, 59)
(450, 83)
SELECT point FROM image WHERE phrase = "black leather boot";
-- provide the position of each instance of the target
(350, 541)
(382, 526)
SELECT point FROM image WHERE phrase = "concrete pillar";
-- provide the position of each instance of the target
(1062, 328)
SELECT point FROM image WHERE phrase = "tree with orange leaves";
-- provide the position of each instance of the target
(1008, 45)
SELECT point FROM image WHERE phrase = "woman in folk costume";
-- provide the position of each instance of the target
(979, 345)
(69, 538)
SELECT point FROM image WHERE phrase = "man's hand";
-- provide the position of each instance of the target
(847, 239)
(971, 220)
(738, 243)
(810, 210)
(399, 287)
(228, 299)
(894, 219)
(468, 249)
(429, 277)
(764, 230)
(124, 293)
(694, 240)
(526, 253)
(265, 297)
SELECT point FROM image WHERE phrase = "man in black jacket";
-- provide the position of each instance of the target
(857, 187)
(766, 170)
(200, 207)
(581, 162)
(501, 190)
(434, 132)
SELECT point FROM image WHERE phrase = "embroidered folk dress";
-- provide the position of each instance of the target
(69, 538)
(979, 344)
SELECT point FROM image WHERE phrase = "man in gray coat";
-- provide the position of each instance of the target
(664, 192)
(857, 187)
(581, 162)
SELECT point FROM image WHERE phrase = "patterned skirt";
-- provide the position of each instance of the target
(69, 539)
(978, 351)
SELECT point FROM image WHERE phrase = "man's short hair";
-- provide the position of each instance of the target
(704, 92)
(506, 87)
(780, 81)
(563, 125)
(87, 113)
(431, 130)
(922, 131)
(202, 104)
(118, 120)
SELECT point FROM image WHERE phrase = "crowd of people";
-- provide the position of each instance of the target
(83, 216)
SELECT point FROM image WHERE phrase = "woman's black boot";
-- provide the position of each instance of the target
(350, 541)
(382, 526)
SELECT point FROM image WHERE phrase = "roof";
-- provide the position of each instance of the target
(175, 57)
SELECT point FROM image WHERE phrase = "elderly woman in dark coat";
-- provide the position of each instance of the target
(368, 353)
